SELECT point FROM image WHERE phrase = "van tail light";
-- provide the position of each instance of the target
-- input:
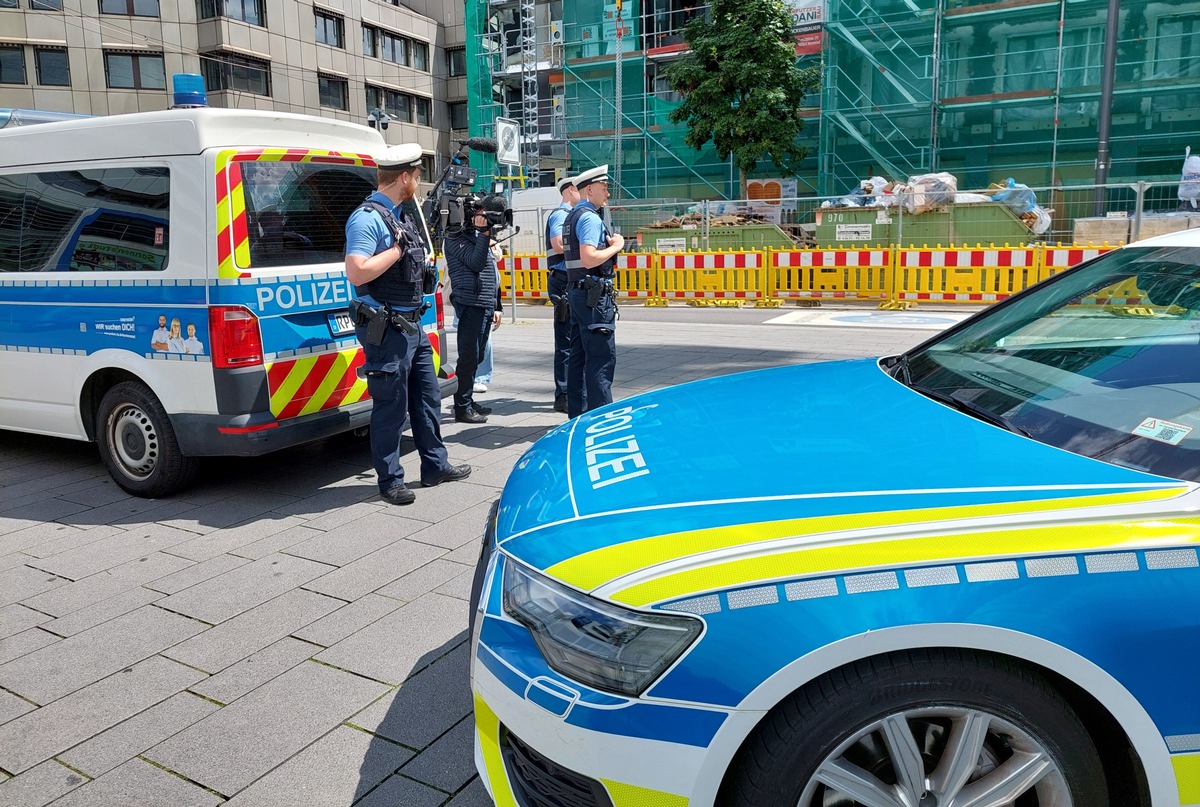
(236, 341)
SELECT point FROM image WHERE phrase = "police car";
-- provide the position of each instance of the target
(965, 575)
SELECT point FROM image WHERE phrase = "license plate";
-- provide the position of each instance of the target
(340, 324)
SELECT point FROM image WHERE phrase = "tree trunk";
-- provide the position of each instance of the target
(742, 184)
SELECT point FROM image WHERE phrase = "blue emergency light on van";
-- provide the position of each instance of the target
(188, 90)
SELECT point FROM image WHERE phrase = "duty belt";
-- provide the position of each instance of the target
(584, 284)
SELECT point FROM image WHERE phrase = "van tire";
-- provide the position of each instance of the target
(138, 445)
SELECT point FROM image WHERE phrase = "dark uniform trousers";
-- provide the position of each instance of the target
(556, 285)
(593, 358)
(403, 383)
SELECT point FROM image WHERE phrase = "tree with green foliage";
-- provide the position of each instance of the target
(742, 87)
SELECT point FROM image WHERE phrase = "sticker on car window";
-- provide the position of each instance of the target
(1163, 431)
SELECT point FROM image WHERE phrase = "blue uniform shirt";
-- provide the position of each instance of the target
(554, 228)
(590, 229)
(367, 234)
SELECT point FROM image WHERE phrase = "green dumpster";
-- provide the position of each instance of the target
(965, 224)
(748, 237)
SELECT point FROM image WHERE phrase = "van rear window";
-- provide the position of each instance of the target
(296, 212)
(107, 219)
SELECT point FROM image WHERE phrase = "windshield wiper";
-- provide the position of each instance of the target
(973, 409)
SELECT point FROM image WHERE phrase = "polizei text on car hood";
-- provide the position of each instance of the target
(805, 469)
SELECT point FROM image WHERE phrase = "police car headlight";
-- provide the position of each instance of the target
(596, 643)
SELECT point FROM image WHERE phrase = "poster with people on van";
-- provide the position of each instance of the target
(170, 337)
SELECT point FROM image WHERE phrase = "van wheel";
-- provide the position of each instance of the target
(138, 445)
(922, 728)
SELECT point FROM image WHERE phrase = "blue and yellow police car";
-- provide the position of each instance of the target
(964, 575)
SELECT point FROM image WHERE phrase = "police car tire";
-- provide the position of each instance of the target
(171, 471)
(785, 751)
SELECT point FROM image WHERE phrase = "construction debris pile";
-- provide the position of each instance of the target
(927, 192)
(691, 220)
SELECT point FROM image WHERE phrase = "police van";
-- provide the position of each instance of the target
(172, 285)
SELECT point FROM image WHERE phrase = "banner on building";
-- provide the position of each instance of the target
(508, 141)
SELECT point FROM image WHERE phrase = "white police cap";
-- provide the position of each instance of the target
(597, 174)
(405, 155)
(565, 183)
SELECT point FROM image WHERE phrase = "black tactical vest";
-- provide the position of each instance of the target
(400, 285)
(575, 268)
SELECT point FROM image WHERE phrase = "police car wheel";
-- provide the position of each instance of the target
(925, 728)
(137, 443)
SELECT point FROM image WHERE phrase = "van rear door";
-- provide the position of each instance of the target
(281, 217)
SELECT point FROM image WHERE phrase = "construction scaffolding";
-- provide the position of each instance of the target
(984, 89)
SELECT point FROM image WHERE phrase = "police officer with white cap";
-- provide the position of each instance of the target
(556, 287)
(386, 263)
(591, 252)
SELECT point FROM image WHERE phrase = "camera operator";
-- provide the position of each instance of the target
(475, 295)
(386, 263)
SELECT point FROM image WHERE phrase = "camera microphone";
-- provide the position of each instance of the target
(487, 145)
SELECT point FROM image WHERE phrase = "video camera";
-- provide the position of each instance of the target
(451, 206)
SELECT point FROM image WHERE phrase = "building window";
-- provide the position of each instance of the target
(334, 92)
(422, 106)
(426, 166)
(420, 54)
(53, 69)
(251, 11)
(12, 64)
(228, 71)
(397, 105)
(331, 29)
(458, 115)
(10, 3)
(130, 8)
(393, 48)
(1177, 47)
(456, 61)
(46, 5)
(135, 71)
(370, 41)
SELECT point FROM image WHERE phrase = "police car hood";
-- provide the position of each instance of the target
(744, 467)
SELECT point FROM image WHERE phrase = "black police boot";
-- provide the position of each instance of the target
(560, 403)
(467, 414)
(480, 408)
(398, 495)
(452, 474)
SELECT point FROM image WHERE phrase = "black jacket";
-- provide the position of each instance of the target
(473, 277)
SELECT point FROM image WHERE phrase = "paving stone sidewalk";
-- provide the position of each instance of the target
(277, 635)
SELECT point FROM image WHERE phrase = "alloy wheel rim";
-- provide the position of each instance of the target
(938, 757)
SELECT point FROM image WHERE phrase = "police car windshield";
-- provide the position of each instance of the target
(1103, 361)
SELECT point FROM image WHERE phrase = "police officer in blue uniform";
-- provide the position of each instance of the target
(386, 263)
(556, 287)
(591, 252)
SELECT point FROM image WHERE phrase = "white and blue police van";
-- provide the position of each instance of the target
(172, 285)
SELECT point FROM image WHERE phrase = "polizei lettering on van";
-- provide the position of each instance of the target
(278, 297)
(612, 452)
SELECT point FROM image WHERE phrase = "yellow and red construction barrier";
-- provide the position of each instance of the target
(956, 274)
